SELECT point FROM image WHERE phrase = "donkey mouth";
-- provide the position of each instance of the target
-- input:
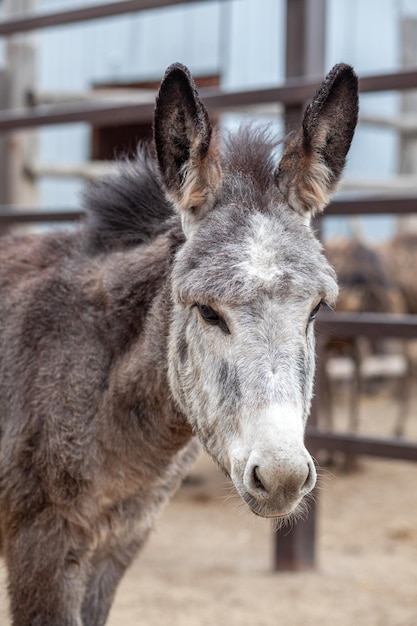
(272, 515)
(269, 510)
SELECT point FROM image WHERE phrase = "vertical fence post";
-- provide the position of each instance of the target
(408, 141)
(4, 178)
(295, 549)
(305, 42)
(21, 145)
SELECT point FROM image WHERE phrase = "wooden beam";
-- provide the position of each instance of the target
(403, 79)
(352, 444)
(367, 324)
(373, 205)
(399, 183)
(32, 22)
(10, 216)
(405, 123)
(90, 170)
(294, 92)
(122, 95)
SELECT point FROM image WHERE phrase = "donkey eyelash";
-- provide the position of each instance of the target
(327, 306)
(211, 317)
(316, 309)
(321, 305)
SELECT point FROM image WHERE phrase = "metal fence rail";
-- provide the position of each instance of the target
(367, 324)
(294, 91)
(360, 206)
(372, 325)
(71, 16)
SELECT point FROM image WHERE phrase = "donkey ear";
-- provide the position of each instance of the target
(314, 158)
(183, 139)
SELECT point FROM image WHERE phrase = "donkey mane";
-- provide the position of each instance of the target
(252, 152)
(249, 161)
(129, 208)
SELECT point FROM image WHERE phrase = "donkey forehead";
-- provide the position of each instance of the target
(241, 255)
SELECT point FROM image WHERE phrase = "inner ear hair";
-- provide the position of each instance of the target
(314, 157)
(186, 152)
(331, 117)
(182, 128)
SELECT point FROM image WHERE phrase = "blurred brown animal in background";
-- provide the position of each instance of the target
(400, 256)
(367, 285)
(366, 282)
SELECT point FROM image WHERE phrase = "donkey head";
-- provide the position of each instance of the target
(249, 280)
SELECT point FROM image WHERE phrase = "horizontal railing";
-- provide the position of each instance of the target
(361, 445)
(372, 325)
(359, 206)
(367, 324)
(27, 23)
(292, 92)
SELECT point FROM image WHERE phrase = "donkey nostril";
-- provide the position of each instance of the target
(310, 480)
(257, 480)
(307, 480)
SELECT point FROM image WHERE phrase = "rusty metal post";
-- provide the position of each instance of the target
(296, 549)
(305, 41)
(4, 162)
(408, 141)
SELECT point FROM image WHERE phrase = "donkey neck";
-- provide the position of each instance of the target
(139, 397)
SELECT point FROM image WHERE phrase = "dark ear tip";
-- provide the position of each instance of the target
(177, 79)
(342, 68)
(341, 77)
(343, 72)
(177, 71)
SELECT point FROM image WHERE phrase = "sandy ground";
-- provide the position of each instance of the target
(209, 561)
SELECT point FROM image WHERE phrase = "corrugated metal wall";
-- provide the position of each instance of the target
(242, 40)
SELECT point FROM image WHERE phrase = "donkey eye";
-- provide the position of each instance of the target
(210, 316)
(315, 311)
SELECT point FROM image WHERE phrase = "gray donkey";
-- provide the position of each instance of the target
(181, 310)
